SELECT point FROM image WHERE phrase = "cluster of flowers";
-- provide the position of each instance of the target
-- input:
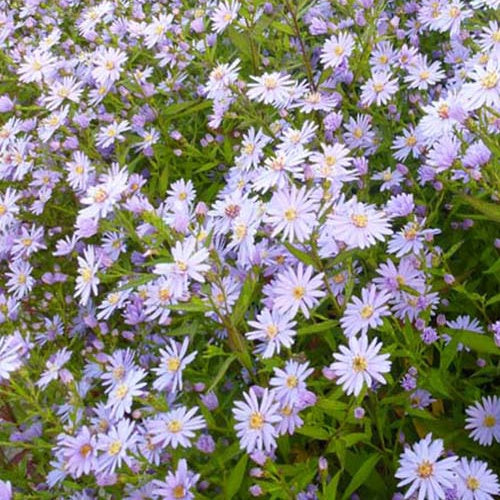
(151, 301)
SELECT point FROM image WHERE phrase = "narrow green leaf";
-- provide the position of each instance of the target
(491, 210)
(222, 370)
(330, 492)
(302, 256)
(236, 477)
(361, 475)
(314, 432)
(479, 343)
(318, 327)
(244, 300)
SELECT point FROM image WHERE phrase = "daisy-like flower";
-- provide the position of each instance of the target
(379, 89)
(409, 142)
(289, 384)
(421, 74)
(298, 289)
(251, 150)
(420, 467)
(359, 225)
(484, 420)
(10, 359)
(122, 394)
(87, 280)
(111, 133)
(108, 64)
(221, 78)
(475, 480)
(485, 88)
(274, 330)
(69, 88)
(53, 367)
(172, 363)
(293, 213)
(20, 281)
(410, 239)
(224, 14)
(115, 444)
(360, 364)
(367, 312)
(188, 261)
(337, 49)
(270, 88)
(8, 207)
(36, 66)
(176, 428)
(79, 452)
(177, 486)
(256, 421)
(80, 171)
(333, 163)
(465, 322)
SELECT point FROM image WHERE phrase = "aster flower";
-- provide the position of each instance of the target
(465, 322)
(270, 88)
(294, 290)
(173, 361)
(485, 88)
(176, 428)
(378, 89)
(53, 367)
(121, 395)
(289, 384)
(87, 281)
(483, 420)
(256, 421)
(274, 330)
(358, 224)
(37, 66)
(476, 481)
(251, 150)
(79, 452)
(411, 239)
(20, 281)
(333, 163)
(8, 207)
(108, 64)
(10, 358)
(337, 49)
(421, 74)
(113, 132)
(420, 467)
(224, 14)
(367, 312)
(177, 486)
(115, 445)
(293, 213)
(360, 364)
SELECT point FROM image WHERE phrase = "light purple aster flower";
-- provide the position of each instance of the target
(256, 421)
(53, 367)
(274, 330)
(293, 213)
(178, 485)
(115, 444)
(484, 420)
(122, 394)
(79, 452)
(360, 364)
(176, 427)
(297, 289)
(288, 384)
(421, 468)
(172, 363)
(476, 481)
(367, 312)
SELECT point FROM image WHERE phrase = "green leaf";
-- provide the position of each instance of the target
(314, 432)
(479, 343)
(236, 477)
(491, 210)
(244, 300)
(318, 327)
(222, 370)
(194, 305)
(361, 475)
(302, 256)
(493, 300)
(330, 492)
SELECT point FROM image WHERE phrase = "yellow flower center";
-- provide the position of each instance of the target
(85, 449)
(292, 381)
(100, 195)
(121, 391)
(173, 364)
(383, 59)
(490, 80)
(290, 214)
(240, 230)
(472, 483)
(86, 275)
(367, 312)
(378, 87)
(359, 364)
(358, 133)
(425, 469)
(270, 83)
(182, 266)
(286, 411)
(179, 491)
(118, 372)
(115, 448)
(444, 111)
(496, 36)
(3, 209)
(174, 426)
(338, 50)
(298, 292)
(164, 294)
(411, 140)
(359, 220)
(256, 420)
(109, 65)
(454, 12)
(272, 331)
(424, 75)
(489, 421)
